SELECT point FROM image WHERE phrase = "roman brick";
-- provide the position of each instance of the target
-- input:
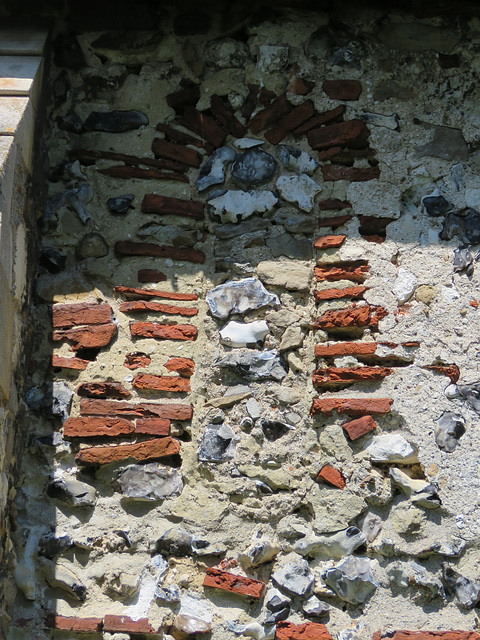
(182, 366)
(353, 174)
(351, 133)
(127, 172)
(355, 293)
(90, 407)
(150, 275)
(327, 117)
(364, 316)
(103, 390)
(218, 579)
(124, 624)
(161, 383)
(331, 376)
(290, 121)
(355, 270)
(354, 407)
(178, 152)
(133, 292)
(163, 331)
(186, 254)
(79, 625)
(153, 426)
(166, 206)
(268, 116)
(329, 242)
(204, 126)
(331, 476)
(66, 316)
(69, 363)
(139, 451)
(139, 306)
(305, 631)
(89, 427)
(90, 156)
(89, 337)
(224, 114)
(449, 370)
(359, 427)
(342, 89)
(136, 361)
(174, 135)
(338, 349)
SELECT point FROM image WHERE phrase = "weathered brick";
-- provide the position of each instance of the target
(166, 206)
(204, 126)
(226, 117)
(352, 133)
(103, 390)
(449, 370)
(329, 154)
(183, 366)
(365, 316)
(331, 116)
(163, 331)
(332, 476)
(335, 294)
(136, 361)
(126, 172)
(88, 427)
(342, 89)
(290, 121)
(161, 383)
(268, 116)
(234, 583)
(306, 631)
(150, 275)
(352, 406)
(426, 635)
(71, 315)
(90, 156)
(359, 427)
(140, 451)
(174, 135)
(329, 242)
(331, 376)
(70, 363)
(345, 349)
(163, 149)
(184, 254)
(94, 336)
(153, 427)
(134, 292)
(353, 174)
(329, 205)
(139, 306)
(355, 270)
(90, 407)
(79, 625)
(124, 624)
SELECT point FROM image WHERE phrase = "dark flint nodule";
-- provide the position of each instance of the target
(465, 227)
(52, 260)
(254, 166)
(436, 205)
(273, 430)
(120, 204)
(115, 121)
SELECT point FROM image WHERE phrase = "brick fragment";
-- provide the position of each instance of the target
(70, 363)
(124, 624)
(80, 625)
(163, 331)
(186, 254)
(449, 370)
(139, 306)
(327, 205)
(345, 349)
(134, 292)
(226, 581)
(161, 383)
(89, 427)
(126, 172)
(365, 316)
(136, 361)
(306, 631)
(290, 121)
(351, 133)
(332, 476)
(150, 275)
(90, 407)
(412, 343)
(87, 337)
(329, 154)
(353, 174)
(351, 406)
(329, 242)
(177, 152)
(224, 114)
(342, 89)
(331, 376)
(335, 294)
(204, 126)
(355, 270)
(174, 135)
(140, 451)
(183, 366)
(426, 635)
(90, 156)
(330, 116)
(103, 390)
(268, 116)
(71, 315)
(153, 427)
(359, 427)
(166, 206)
(473, 303)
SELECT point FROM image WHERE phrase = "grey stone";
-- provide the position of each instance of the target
(218, 444)
(70, 122)
(465, 227)
(450, 428)
(466, 590)
(235, 205)
(241, 334)
(315, 608)
(290, 275)
(295, 577)
(273, 429)
(392, 89)
(115, 121)
(290, 247)
(272, 617)
(463, 261)
(275, 600)
(435, 204)
(240, 296)
(92, 245)
(296, 159)
(120, 204)
(75, 198)
(168, 234)
(300, 190)
(252, 630)
(392, 448)
(229, 231)
(451, 549)
(254, 166)
(52, 260)
(379, 120)
(292, 339)
(226, 54)
(471, 393)
(446, 143)
(405, 574)
(283, 318)
(175, 542)
(52, 544)
(35, 398)
(213, 171)
(62, 397)
(259, 552)
(150, 482)
(334, 546)
(71, 491)
(352, 580)
(372, 525)
(169, 594)
(254, 409)
(254, 365)
(295, 222)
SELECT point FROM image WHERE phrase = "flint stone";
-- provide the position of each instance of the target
(451, 549)
(295, 577)
(466, 590)
(62, 397)
(175, 542)
(290, 247)
(450, 428)
(275, 600)
(252, 630)
(463, 261)
(240, 334)
(296, 159)
(254, 365)
(76, 198)
(191, 625)
(352, 580)
(290, 275)
(418, 491)
(392, 448)
(248, 143)
(213, 171)
(218, 443)
(92, 245)
(235, 206)
(405, 285)
(406, 574)
(471, 393)
(170, 594)
(228, 231)
(52, 544)
(465, 227)
(115, 121)
(273, 429)
(446, 143)
(240, 296)
(379, 120)
(334, 546)
(272, 617)
(315, 608)
(300, 190)
(259, 552)
(71, 491)
(435, 204)
(172, 235)
(150, 482)
(120, 204)
(295, 222)
(52, 260)
(254, 166)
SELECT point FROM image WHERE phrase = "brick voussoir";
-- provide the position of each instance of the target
(135, 292)
(90, 407)
(166, 206)
(271, 114)
(93, 336)
(355, 407)
(163, 331)
(65, 316)
(319, 120)
(351, 133)
(204, 126)
(161, 383)
(291, 121)
(90, 427)
(140, 306)
(129, 248)
(139, 451)
(218, 579)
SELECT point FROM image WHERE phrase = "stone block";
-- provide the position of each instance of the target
(17, 74)
(22, 41)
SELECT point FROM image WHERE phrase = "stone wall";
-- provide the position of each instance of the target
(254, 395)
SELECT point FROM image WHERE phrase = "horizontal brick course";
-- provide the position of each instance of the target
(153, 426)
(134, 292)
(140, 451)
(449, 370)
(90, 407)
(329, 242)
(333, 173)
(342, 375)
(88, 337)
(335, 294)
(139, 306)
(163, 331)
(161, 383)
(70, 363)
(124, 624)
(103, 390)
(345, 349)
(186, 254)
(364, 316)
(226, 581)
(66, 316)
(356, 271)
(150, 275)
(166, 206)
(89, 427)
(136, 361)
(79, 625)
(351, 406)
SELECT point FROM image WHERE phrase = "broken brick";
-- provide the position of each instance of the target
(140, 451)
(351, 133)
(335, 294)
(127, 172)
(163, 149)
(150, 275)
(80, 625)
(305, 631)
(163, 331)
(268, 116)
(103, 390)
(153, 427)
(161, 383)
(174, 135)
(182, 366)
(331, 376)
(412, 343)
(70, 363)
(136, 361)
(332, 476)
(329, 242)
(204, 126)
(88, 427)
(90, 156)
(353, 174)
(139, 306)
(166, 206)
(355, 270)
(342, 89)
(290, 121)
(124, 624)
(224, 114)
(359, 427)
(129, 248)
(449, 370)
(351, 406)
(89, 337)
(71, 315)
(331, 116)
(234, 583)
(365, 316)
(90, 407)
(345, 349)
(135, 292)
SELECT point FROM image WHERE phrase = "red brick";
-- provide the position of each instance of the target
(129, 248)
(80, 625)
(268, 116)
(134, 292)
(356, 270)
(329, 154)
(345, 349)
(165, 206)
(299, 86)
(70, 363)
(426, 635)
(234, 583)
(88, 427)
(153, 427)
(103, 390)
(352, 133)
(333, 115)
(163, 331)
(139, 306)
(204, 126)
(161, 383)
(449, 370)
(353, 174)
(177, 152)
(224, 114)
(72, 315)
(87, 337)
(174, 135)
(329, 242)
(328, 205)
(332, 476)
(140, 451)
(342, 89)
(352, 406)
(90, 156)
(183, 366)
(412, 343)
(361, 426)
(365, 316)
(90, 407)
(335, 294)
(136, 361)
(141, 173)
(124, 624)
(341, 375)
(290, 121)
(150, 275)
(306, 631)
